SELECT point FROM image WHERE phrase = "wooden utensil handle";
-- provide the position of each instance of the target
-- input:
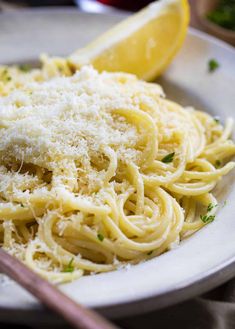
(77, 315)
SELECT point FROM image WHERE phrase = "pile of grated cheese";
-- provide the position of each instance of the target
(69, 120)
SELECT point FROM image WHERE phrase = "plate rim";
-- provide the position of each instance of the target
(181, 292)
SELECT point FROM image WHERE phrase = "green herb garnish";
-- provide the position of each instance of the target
(217, 120)
(150, 253)
(213, 65)
(100, 237)
(24, 68)
(168, 158)
(5, 75)
(211, 206)
(207, 219)
(217, 163)
(69, 268)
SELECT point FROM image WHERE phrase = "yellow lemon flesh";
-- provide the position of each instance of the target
(144, 44)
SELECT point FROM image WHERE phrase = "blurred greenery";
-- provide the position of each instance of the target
(224, 14)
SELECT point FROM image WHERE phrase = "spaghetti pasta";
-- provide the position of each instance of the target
(98, 171)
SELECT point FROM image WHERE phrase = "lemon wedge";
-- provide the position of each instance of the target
(143, 44)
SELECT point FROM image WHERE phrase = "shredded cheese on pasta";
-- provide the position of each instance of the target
(99, 171)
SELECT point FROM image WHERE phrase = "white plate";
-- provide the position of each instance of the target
(200, 263)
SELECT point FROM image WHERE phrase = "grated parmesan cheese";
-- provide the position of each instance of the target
(67, 120)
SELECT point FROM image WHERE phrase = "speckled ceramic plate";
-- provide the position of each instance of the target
(201, 262)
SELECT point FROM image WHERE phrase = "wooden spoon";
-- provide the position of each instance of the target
(77, 315)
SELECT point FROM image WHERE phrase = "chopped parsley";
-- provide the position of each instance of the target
(100, 237)
(168, 158)
(217, 120)
(218, 163)
(213, 65)
(150, 253)
(24, 68)
(211, 206)
(224, 204)
(5, 75)
(207, 219)
(69, 268)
